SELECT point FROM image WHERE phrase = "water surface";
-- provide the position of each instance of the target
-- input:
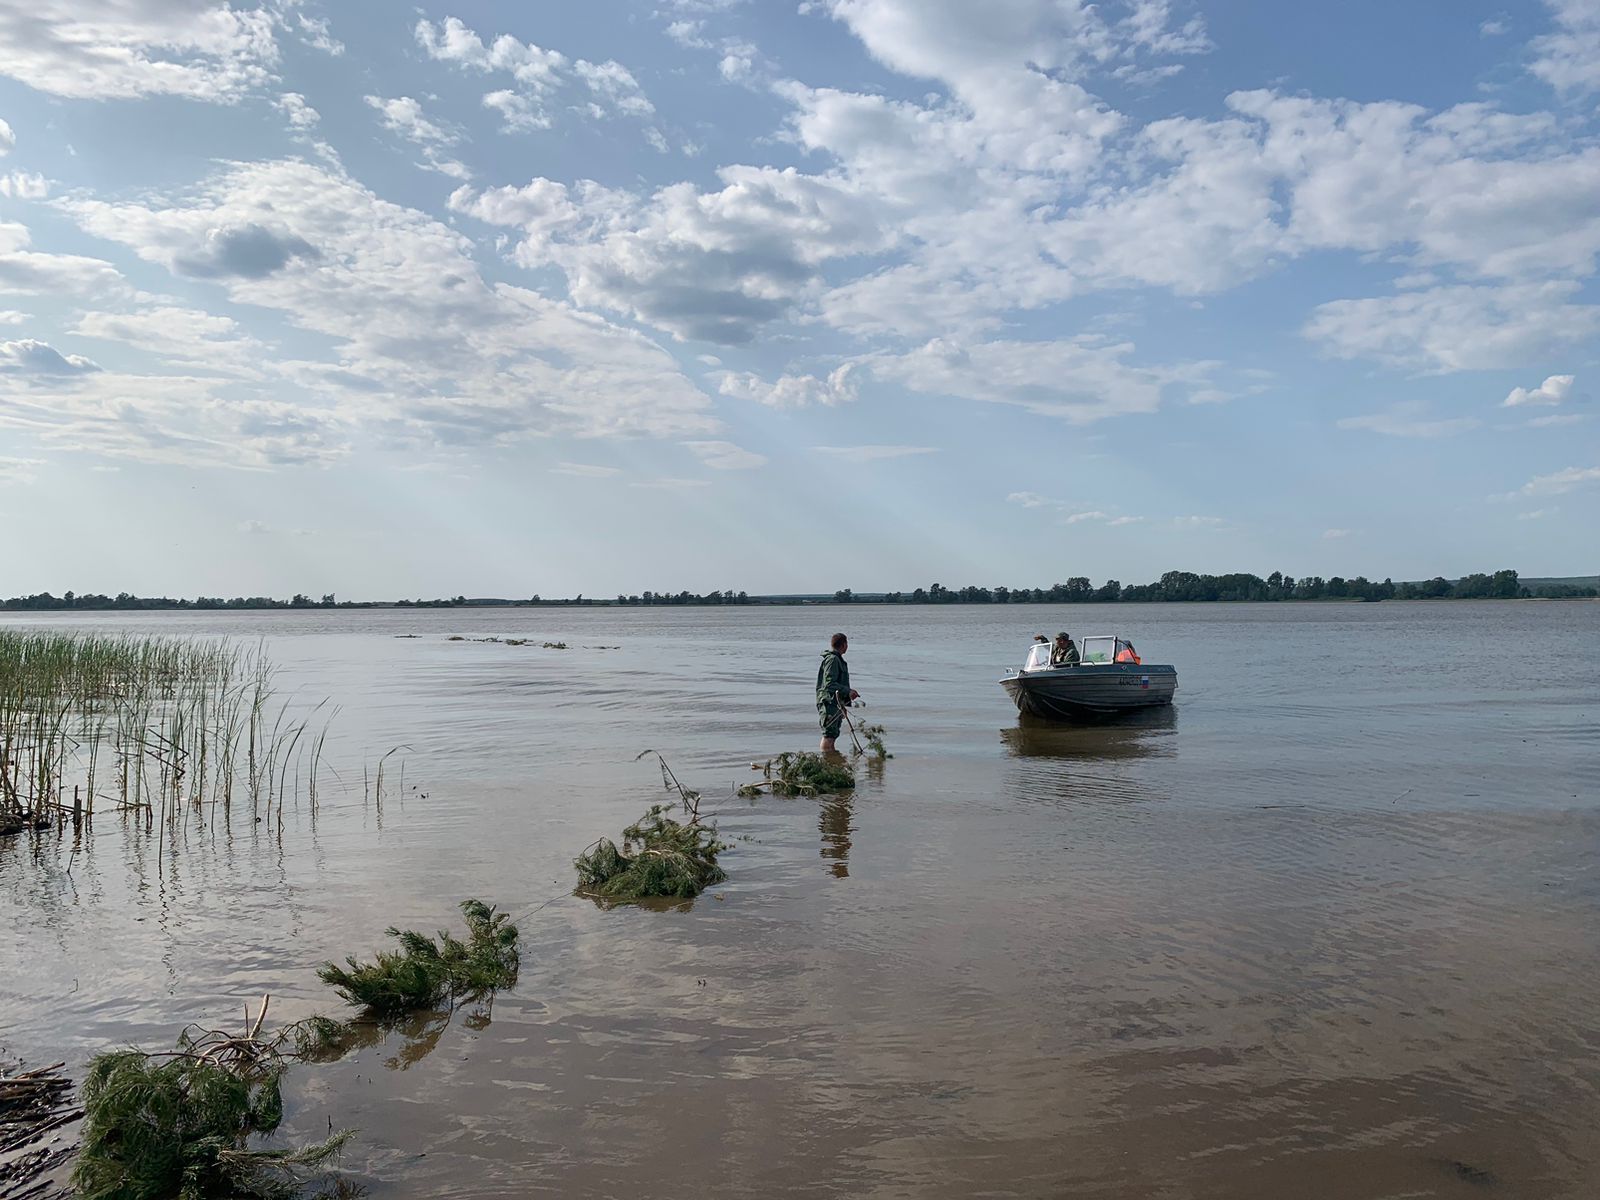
(1327, 927)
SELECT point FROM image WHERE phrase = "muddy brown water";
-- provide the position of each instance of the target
(1329, 927)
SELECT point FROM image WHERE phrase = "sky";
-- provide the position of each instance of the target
(510, 299)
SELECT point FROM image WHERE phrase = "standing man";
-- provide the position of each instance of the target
(833, 689)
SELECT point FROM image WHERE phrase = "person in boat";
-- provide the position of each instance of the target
(834, 692)
(1064, 653)
(1127, 654)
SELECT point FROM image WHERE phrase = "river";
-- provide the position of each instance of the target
(1330, 926)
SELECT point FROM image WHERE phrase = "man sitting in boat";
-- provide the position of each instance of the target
(1126, 654)
(1063, 653)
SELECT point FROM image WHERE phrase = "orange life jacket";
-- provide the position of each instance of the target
(1126, 655)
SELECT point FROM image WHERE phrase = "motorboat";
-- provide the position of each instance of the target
(1107, 679)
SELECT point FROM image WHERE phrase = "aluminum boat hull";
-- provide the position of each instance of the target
(1091, 692)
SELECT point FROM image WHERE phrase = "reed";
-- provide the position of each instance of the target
(148, 725)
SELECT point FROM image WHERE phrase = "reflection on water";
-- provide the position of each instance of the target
(1133, 735)
(834, 815)
(1325, 927)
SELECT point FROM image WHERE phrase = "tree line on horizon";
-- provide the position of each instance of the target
(1174, 586)
(1181, 586)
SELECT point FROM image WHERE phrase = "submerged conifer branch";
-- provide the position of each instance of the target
(425, 973)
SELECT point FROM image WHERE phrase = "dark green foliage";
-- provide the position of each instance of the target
(180, 1125)
(424, 973)
(659, 857)
(802, 773)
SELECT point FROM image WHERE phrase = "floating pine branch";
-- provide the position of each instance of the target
(181, 1123)
(801, 773)
(424, 972)
(659, 857)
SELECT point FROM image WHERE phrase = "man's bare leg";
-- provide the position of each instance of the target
(827, 745)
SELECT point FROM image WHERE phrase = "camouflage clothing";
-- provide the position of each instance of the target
(833, 692)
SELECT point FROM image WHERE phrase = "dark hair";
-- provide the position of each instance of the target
(837, 640)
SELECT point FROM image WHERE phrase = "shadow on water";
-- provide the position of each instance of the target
(1143, 734)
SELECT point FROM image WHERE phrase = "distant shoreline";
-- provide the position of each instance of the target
(1175, 587)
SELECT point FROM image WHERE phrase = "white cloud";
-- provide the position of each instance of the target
(1335, 534)
(1459, 328)
(1556, 419)
(1551, 392)
(451, 41)
(861, 454)
(1079, 518)
(670, 485)
(518, 113)
(1494, 27)
(1080, 380)
(1031, 500)
(1569, 59)
(422, 346)
(585, 470)
(8, 140)
(203, 342)
(614, 85)
(404, 116)
(300, 115)
(538, 73)
(1538, 514)
(31, 358)
(120, 49)
(1409, 420)
(11, 316)
(1557, 482)
(792, 391)
(21, 185)
(19, 470)
(725, 456)
(709, 265)
(31, 272)
(254, 527)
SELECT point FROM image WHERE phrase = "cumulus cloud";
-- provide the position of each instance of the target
(609, 87)
(249, 251)
(26, 271)
(22, 185)
(423, 347)
(8, 140)
(1569, 58)
(792, 391)
(404, 116)
(725, 456)
(1552, 391)
(1457, 328)
(300, 115)
(714, 266)
(121, 49)
(29, 357)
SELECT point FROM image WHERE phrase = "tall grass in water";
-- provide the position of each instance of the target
(142, 724)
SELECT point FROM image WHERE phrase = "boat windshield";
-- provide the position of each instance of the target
(1038, 657)
(1099, 649)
